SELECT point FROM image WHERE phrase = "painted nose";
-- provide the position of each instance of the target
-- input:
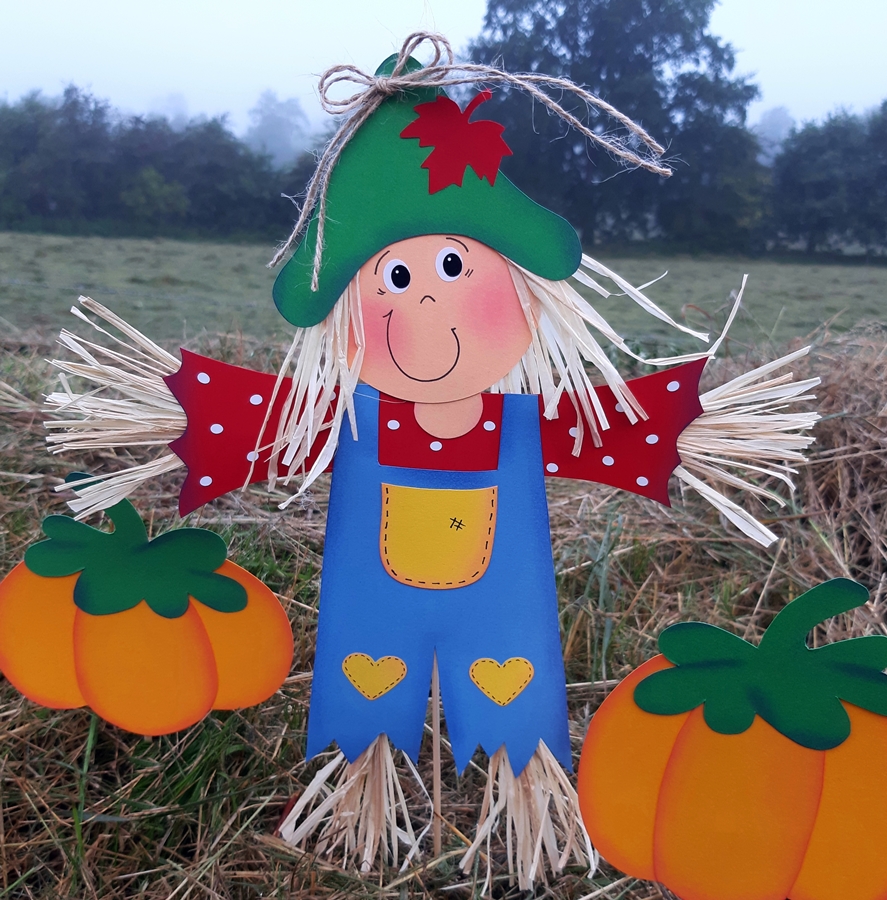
(427, 297)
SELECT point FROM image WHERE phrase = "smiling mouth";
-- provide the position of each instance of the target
(400, 367)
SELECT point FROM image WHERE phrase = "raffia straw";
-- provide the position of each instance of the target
(539, 813)
(745, 428)
(141, 412)
(443, 72)
(363, 818)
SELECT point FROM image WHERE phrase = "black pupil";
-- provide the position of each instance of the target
(400, 277)
(452, 265)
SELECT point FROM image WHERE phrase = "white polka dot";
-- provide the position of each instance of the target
(206, 481)
(393, 424)
(203, 378)
(436, 445)
(489, 426)
(643, 482)
(252, 456)
(574, 432)
(551, 467)
(672, 386)
(256, 399)
(216, 429)
(620, 407)
(652, 438)
(608, 460)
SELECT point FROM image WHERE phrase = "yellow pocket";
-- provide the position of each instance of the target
(436, 539)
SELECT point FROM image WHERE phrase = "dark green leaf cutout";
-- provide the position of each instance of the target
(121, 568)
(793, 688)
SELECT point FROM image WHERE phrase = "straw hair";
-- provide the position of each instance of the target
(443, 72)
(561, 348)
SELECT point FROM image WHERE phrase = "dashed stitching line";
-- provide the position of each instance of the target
(375, 663)
(471, 578)
(502, 666)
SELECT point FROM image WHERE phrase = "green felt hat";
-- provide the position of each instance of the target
(378, 193)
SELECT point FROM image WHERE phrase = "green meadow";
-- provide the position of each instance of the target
(176, 290)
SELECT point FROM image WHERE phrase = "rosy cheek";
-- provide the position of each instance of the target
(375, 342)
(495, 311)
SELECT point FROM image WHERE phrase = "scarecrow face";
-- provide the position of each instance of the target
(441, 317)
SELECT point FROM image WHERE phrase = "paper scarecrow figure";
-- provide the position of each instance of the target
(440, 369)
(733, 772)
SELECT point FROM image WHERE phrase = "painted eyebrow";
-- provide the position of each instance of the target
(376, 270)
(458, 242)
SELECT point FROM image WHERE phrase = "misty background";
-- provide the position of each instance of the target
(114, 119)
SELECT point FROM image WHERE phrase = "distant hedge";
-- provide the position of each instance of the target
(74, 165)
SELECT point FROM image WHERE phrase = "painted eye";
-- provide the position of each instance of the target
(449, 264)
(396, 276)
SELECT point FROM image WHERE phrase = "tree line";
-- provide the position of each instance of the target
(74, 165)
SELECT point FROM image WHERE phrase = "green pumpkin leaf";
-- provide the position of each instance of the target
(55, 559)
(120, 569)
(811, 718)
(64, 528)
(798, 691)
(866, 652)
(102, 591)
(693, 642)
(218, 592)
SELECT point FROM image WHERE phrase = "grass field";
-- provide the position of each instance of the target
(90, 811)
(174, 290)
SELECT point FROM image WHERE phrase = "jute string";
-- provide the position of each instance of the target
(443, 72)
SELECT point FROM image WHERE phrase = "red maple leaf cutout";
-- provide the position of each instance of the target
(457, 142)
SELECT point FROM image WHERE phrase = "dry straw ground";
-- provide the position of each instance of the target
(89, 811)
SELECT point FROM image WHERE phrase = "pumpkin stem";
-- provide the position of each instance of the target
(129, 529)
(788, 631)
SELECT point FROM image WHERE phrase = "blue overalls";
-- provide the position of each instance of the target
(493, 625)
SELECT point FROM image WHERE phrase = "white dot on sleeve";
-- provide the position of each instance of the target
(203, 378)
(643, 482)
(489, 426)
(551, 467)
(206, 481)
(620, 407)
(574, 432)
(252, 456)
(672, 386)
(216, 429)
(608, 460)
(652, 438)
(256, 399)
(436, 445)
(393, 424)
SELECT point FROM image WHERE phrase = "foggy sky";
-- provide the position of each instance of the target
(191, 57)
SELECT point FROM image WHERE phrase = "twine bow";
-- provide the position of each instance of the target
(444, 72)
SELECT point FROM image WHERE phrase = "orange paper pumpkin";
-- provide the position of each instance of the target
(125, 633)
(718, 813)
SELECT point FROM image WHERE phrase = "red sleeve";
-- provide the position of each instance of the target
(638, 458)
(226, 407)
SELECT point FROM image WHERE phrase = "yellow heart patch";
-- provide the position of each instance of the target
(502, 682)
(373, 677)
